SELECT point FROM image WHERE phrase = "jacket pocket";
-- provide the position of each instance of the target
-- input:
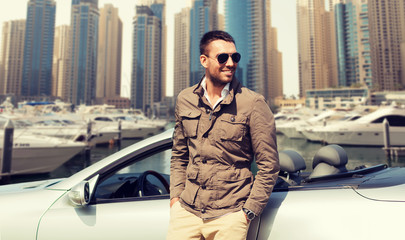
(233, 187)
(189, 121)
(233, 128)
(190, 191)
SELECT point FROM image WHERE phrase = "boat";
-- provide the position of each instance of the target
(129, 129)
(37, 154)
(293, 129)
(314, 133)
(367, 130)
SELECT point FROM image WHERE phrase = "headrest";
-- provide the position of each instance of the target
(291, 161)
(333, 155)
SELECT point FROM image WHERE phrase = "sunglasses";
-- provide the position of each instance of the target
(223, 57)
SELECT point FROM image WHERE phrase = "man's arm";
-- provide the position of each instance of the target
(264, 145)
(179, 160)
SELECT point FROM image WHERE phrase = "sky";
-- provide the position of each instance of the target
(283, 14)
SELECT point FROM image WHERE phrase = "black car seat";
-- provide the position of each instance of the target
(291, 164)
(331, 159)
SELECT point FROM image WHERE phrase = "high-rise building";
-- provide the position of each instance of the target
(236, 24)
(315, 45)
(387, 41)
(82, 71)
(203, 18)
(146, 84)
(38, 48)
(60, 61)
(181, 71)
(274, 61)
(159, 9)
(352, 42)
(109, 53)
(275, 67)
(248, 21)
(11, 58)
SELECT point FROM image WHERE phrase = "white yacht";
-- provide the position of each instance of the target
(129, 129)
(63, 127)
(293, 129)
(315, 134)
(367, 130)
(34, 154)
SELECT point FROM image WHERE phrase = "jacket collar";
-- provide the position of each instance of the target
(233, 89)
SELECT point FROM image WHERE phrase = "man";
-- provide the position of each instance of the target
(220, 128)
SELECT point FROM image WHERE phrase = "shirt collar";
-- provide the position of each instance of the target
(224, 93)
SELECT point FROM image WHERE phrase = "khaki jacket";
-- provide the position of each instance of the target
(213, 150)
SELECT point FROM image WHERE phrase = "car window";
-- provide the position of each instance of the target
(147, 177)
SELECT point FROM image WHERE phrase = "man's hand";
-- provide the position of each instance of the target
(173, 201)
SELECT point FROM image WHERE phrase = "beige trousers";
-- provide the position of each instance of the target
(185, 225)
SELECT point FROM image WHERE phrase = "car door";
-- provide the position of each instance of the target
(121, 208)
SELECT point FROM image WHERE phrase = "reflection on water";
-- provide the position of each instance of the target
(358, 156)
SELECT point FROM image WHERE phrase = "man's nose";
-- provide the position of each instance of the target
(230, 62)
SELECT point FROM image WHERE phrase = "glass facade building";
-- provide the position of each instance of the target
(146, 84)
(38, 48)
(352, 42)
(203, 18)
(82, 70)
(236, 24)
(246, 21)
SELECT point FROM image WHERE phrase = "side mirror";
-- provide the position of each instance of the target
(80, 194)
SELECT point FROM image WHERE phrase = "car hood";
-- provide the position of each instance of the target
(27, 186)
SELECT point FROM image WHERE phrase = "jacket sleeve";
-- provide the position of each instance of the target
(264, 145)
(179, 159)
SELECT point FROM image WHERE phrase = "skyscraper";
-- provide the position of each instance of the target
(60, 61)
(275, 67)
(11, 58)
(203, 18)
(38, 48)
(109, 53)
(316, 70)
(181, 73)
(146, 84)
(159, 9)
(387, 27)
(248, 21)
(236, 24)
(352, 42)
(82, 70)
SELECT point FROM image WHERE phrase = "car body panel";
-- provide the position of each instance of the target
(136, 219)
(21, 212)
(330, 214)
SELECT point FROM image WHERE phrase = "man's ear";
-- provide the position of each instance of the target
(204, 61)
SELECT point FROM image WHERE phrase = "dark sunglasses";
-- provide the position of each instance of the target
(223, 57)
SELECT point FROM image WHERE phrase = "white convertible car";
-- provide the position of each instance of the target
(125, 196)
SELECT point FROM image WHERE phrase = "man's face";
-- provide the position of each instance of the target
(219, 74)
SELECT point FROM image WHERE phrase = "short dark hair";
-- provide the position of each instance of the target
(212, 36)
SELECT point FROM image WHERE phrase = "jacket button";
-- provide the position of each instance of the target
(232, 119)
(208, 111)
(204, 161)
(203, 187)
(203, 210)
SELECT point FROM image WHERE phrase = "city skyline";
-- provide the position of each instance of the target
(287, 35)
